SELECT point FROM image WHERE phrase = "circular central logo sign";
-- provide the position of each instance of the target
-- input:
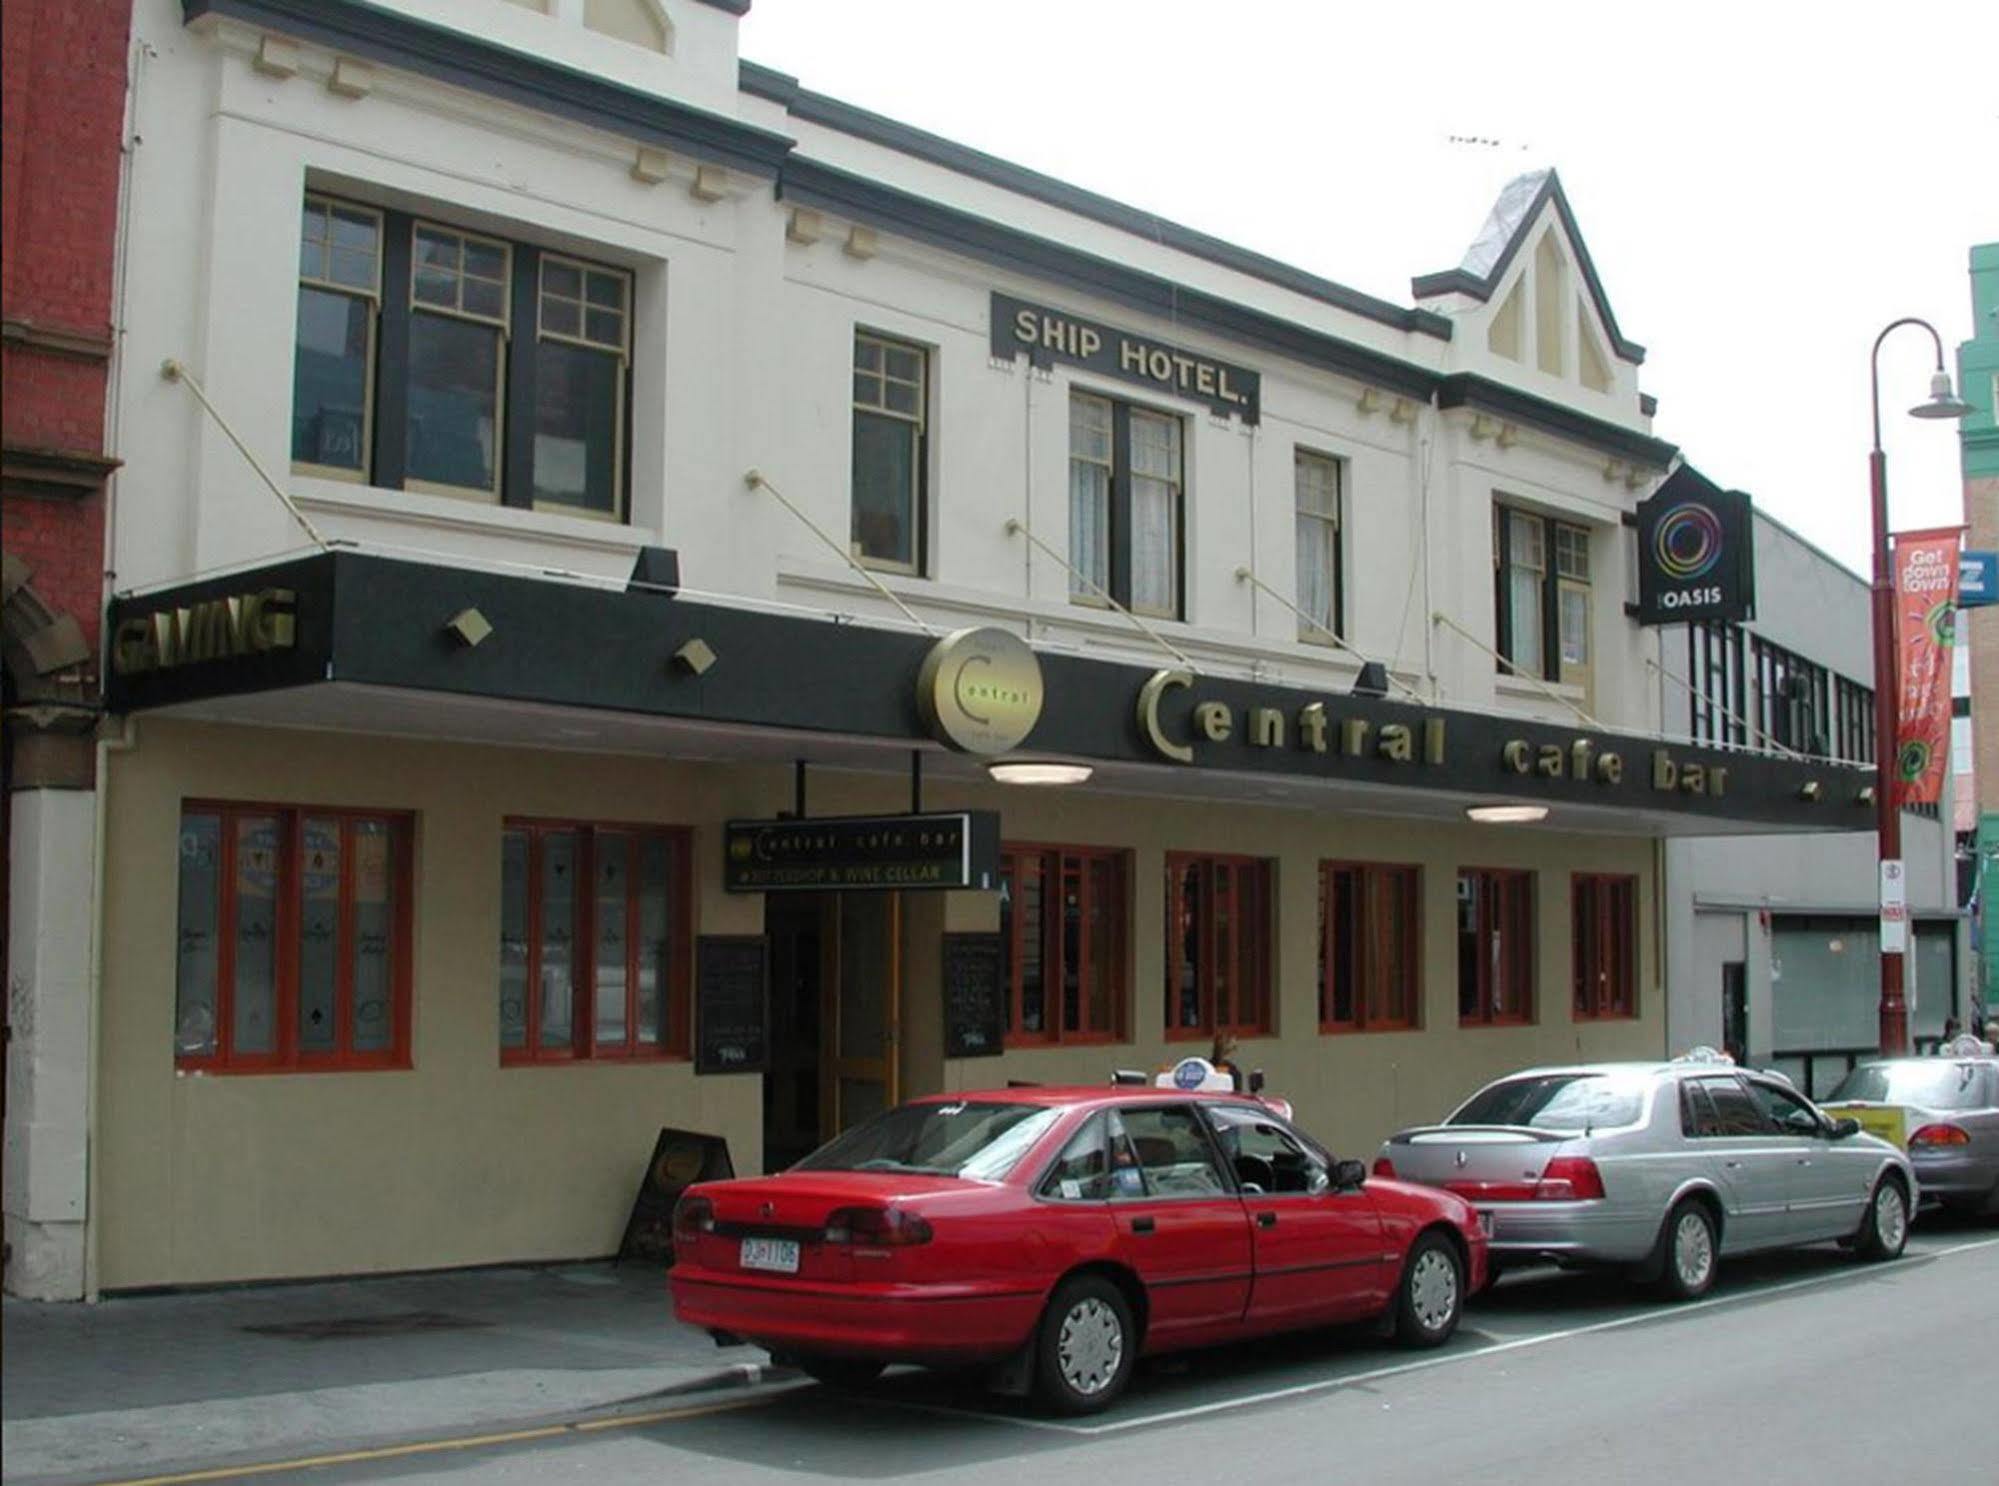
(980, 690)
(1687, 541)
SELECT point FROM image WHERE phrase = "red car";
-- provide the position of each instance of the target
(1055, 1235)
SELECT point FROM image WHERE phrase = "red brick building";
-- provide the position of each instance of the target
(63, 91)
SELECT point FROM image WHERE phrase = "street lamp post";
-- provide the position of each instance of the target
(1942, 403)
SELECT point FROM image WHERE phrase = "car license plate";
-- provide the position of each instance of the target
(1485, 1222)
(778, 1254)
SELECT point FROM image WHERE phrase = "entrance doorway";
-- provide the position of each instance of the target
(835, 1004)
(1735, 1010)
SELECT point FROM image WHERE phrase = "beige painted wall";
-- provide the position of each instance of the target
(459, 1161)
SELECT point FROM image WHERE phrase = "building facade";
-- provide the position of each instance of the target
(1773, 944)
(62, 114)
(1977, 729)
(583, 470)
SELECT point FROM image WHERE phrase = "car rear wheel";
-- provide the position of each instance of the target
(842, 1372)
(1086, 1347)
(1432, 1294)
(1691, 1252)
(1884, 1230)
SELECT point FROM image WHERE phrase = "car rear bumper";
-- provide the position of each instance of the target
(1952, 1176)
(898, 1323)
(1569, 1232)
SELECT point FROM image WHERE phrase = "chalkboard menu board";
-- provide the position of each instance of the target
(731, 1004)
(974, 997)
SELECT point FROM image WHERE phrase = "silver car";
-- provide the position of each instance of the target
(1662, 1168)
(1950, 1113)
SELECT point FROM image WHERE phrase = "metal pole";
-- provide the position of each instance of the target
(798, 789)
(915, 781)
(1894, 1012)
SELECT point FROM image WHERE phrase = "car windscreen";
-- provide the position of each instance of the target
(979, 1140)
(1931, 1082)
(1556, 1101)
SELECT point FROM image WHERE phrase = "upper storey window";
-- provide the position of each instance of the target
(890, 403)
(1126, 489)
(436, 359)
(1542, 596)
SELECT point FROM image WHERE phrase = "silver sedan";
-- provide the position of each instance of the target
(1950, 1115)
(1661, 1168)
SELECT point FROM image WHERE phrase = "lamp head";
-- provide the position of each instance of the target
(1943, 403)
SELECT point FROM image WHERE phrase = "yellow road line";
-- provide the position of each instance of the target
(433, 1447)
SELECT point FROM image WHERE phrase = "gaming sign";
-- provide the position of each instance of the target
(1696, 552)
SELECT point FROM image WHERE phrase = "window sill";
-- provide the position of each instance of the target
(1513, 686)
(590, 1060)
(1492, 1024)
(457, 514)
(1347, 1029)
(281, 1070)
(1604, 1016)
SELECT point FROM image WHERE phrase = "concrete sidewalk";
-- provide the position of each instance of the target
(143, 1385)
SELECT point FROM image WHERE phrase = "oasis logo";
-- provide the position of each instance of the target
(1695, 552)
(214, 629)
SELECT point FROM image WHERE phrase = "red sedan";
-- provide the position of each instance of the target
(1055, 1235)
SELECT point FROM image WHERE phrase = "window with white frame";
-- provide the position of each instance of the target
(1542, 595)
(455, 362)
(1321, 577)
(1126, 495)
(890, 407)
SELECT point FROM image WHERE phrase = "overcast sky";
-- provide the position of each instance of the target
(1763, 185)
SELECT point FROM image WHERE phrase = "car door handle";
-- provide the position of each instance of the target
(1733, 1165)
(1804, 1160)
(1141, 1225)
(1266, 1220)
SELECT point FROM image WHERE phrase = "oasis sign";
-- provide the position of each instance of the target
(1055, 335)
(1696, 552)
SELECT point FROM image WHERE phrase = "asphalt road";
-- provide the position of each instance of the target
(1806, 1367)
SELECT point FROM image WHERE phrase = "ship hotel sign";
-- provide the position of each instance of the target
(1048, 336)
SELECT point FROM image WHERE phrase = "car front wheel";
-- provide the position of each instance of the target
(1086, 1347)
(1690, 1252)
(1885, 1228)
(1432, 1295)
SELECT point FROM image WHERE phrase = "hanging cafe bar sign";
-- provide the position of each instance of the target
(959, 849)
(1048, 335)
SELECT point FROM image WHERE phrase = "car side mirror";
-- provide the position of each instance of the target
(1348, 1175)
(1842, 1128)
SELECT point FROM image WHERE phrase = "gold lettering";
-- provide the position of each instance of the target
(1160, 365)
(1519, 758)
(1433, 741)
(273, 626)
(1579, 752)
(1088, 342)
(166, 639)
(1665, 774)
(1312, 726)
(1184, 365)
(1693, 779)
(1156, 686)
(1214, 721)
(1266, 727)
(1051, 332)
(1023, 326)
(1717, 782)
(1131, 357)
(132, 648)
(1548, 763)
(1610, 768)
(1353, 736)
(1204, 379)
(1222, 388)
(1396, 743)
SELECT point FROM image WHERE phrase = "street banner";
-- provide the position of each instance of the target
(1977, 579)
(1925, 625)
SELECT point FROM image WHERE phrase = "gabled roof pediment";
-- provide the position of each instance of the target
(1513, 222)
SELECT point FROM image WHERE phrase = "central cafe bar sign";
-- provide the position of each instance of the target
(1048, 335)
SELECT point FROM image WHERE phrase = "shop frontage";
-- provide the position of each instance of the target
(491, 904)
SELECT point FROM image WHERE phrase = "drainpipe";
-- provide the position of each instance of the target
(123, 741)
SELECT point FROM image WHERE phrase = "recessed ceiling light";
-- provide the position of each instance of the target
(1038, 771)
(1507, 815)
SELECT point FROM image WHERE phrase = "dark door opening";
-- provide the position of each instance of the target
(795, 926)
(1735, 1010)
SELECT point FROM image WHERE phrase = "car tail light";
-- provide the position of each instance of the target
(1941, 1135)
(1383, 1166)
(692, 1217)
(876, 1227)
(1569, 1179)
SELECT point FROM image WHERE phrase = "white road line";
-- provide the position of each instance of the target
(1350, 1380)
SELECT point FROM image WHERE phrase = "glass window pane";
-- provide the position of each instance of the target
(579, 396)
(558, 936)
(454, 403)
(561, 278)
(612, 871)
(514, 939)
(1106, 921)
(1188, 946)
(1089, 526)
(656, 940)
(1090, 429)
(482, 298)
(885, 475)
(1155, 446)
(484, 260)
(903, 363)
(1523, 590)
(1155, 546)
(905, 398)
(436, 249)
(1316, 561)
(319, 936)
(198, 936)
(1071, 930)
(1523, 542)
(605, 328)
(436, 286)
(356, 270)
(1575, 626)
(607, 289)
(375, 888)
(253, 1027)
(1033, 932)
(561, 317)
(1318, 484)
(867, 354)
(330, 379)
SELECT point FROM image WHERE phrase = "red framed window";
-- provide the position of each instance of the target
(596, 941)
(1604, 934)
(1062, 935)
(293, 939)
(1495, 946)
(1218, 933)
(1370, 940)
